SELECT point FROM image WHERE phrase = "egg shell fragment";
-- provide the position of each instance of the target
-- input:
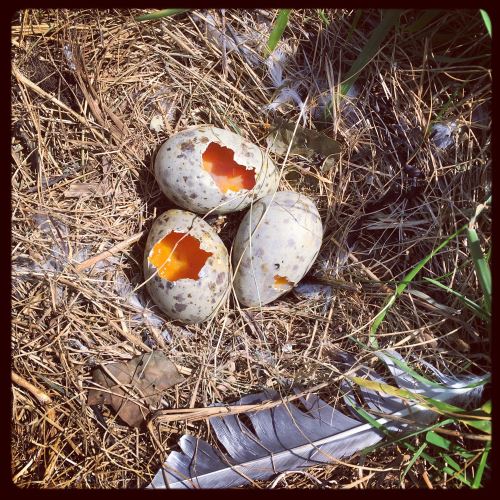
(180, 172)
(188, 300)
(276, 244)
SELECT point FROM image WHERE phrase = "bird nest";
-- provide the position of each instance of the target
(95, 93)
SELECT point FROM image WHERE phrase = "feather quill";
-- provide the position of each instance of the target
(284, 437)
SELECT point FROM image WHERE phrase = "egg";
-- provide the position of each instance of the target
(186, 267)
(205, 168)
(277, 242)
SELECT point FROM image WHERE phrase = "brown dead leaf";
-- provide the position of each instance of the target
(131, 387)
(305, 142)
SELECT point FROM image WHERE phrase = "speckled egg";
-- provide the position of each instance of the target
(186, 267)
(276, 244)
(206, 168)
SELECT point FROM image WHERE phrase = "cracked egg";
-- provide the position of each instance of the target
(186, 267)
(205, 168)
(277, 242)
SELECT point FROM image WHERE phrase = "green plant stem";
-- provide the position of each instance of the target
(278, 29)
(159, 14)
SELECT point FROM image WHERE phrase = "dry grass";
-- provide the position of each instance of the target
(82, 155)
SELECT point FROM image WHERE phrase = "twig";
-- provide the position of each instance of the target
(42, 397)
(38, 393)
(28, 83)
(387, 289)
(193, 414)
(428, 483)
(358, 482)
(109, 253)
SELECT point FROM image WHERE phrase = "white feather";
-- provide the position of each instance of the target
(285, 438)
(285, 95)
(442, 134)
(276, 63)
(234, 41)
(144, 315)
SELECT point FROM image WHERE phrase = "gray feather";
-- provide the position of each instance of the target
(286, 438)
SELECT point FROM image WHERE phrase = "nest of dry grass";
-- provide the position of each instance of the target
(85, 88)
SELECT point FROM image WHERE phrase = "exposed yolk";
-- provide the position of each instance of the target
(281, 282)
(219, 162)
(185, 261)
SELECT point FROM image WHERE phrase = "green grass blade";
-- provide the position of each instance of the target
(410, 371)
(406, 281)
(480, 469)
(396, 439)
(160, 13)
(389, 20)
(482, 425)
(454, 468)
(476, 419)
(278, 29)
(423, 21)
(487, 407)
(483, 272)
(452, 472)
(412, 461)
(435, 439)
(470, 304)
(486, 20)
(366, 416)
(322, 15)
(354, 24)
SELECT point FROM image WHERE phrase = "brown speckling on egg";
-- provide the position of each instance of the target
(170, 296)
(180, 156)
(187, 146)
(259, 252)
(292, 252)
(180, 307)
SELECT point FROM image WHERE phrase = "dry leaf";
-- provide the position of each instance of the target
(306, 142)
(142, 382)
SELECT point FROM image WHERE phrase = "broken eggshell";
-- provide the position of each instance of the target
(186, 267)
(276, 244)
(206, 168)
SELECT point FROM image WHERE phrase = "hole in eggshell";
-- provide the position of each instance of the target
(178, 256)
(219, 162)
(281, 282)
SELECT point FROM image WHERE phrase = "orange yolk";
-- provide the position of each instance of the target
(281, 282)
(185, 261)
(228, 175)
